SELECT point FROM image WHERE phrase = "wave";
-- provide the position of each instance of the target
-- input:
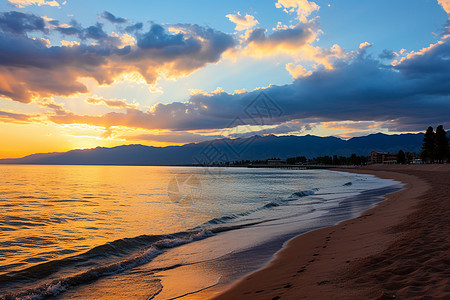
(140, 250)
(129, 253)
(305, 193)
(120, 255)
(272, 204)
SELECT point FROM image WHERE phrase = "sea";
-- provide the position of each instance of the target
(144, 232)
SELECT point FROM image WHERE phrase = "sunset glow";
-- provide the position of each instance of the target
(75, 76)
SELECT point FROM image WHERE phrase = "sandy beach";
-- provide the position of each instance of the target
(399, 249)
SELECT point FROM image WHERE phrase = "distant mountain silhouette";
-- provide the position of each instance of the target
(252, 148)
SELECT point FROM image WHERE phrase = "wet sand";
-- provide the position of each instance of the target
(398, 250)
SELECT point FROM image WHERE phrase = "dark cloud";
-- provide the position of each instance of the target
(20, 23)
(293, 37)
(433, 61)
(9, 117)
(445, 30)
(133, 28)
(54, 22)
(29, 68)
(157, 37)
(408, 97)
(21, 52)
(95, 32)
(387, 54)
(70, 31)
(173, 137)
(288, 34)
(217, 42)
(284, 128)
(113, 19)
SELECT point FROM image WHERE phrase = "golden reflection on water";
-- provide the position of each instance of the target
(49, 212)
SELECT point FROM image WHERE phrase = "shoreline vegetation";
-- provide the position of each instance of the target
(398, 249)
(435, 149)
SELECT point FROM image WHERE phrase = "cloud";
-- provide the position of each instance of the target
(432, 60)
(297, 71)
(290, 127)
(9, 117)
(303, 8)
(327, 57)
(387, 54)
(71, 30)
(157, 38)
(355, 128)
(23, 3)
(113, 103)
(134, 27)
(69, 43)
(14, 22)
(242, 22)
(32, 69)
(113, 19)
(445, 5)
(406, 97)
(410, 94)
(365, 45)
(283, 41)
(241, 91)
(173, 137)
(95, 32)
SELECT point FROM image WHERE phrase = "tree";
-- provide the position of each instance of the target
(410, 156)
(401, 157)
(336, 160)
(441, 144)
(428, 146)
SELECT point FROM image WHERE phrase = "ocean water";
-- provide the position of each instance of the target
(117, 232)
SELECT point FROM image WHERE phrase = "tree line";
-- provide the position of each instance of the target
(329, 160)
(435, 147)
(300, 160)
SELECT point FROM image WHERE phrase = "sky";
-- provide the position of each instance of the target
(79, 74)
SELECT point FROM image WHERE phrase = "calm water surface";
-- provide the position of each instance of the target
(62, 228)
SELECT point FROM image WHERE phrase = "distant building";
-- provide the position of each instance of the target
(276, 162)
(382, 158)
(417, 161)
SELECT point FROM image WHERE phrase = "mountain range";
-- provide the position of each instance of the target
(251, 148)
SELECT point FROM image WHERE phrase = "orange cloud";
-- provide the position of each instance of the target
(69, 43)
(242, 22)
(303, 8)
(445, 5)
(23, 3)
(283, 41)
(297, 71)
(323, 56)
(113, 103)
(241, 91)
(354, 128)
(10, 117)
(172, 137)
(365, 45)
(421, 52)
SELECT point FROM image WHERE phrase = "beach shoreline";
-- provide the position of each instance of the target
(397, 249)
